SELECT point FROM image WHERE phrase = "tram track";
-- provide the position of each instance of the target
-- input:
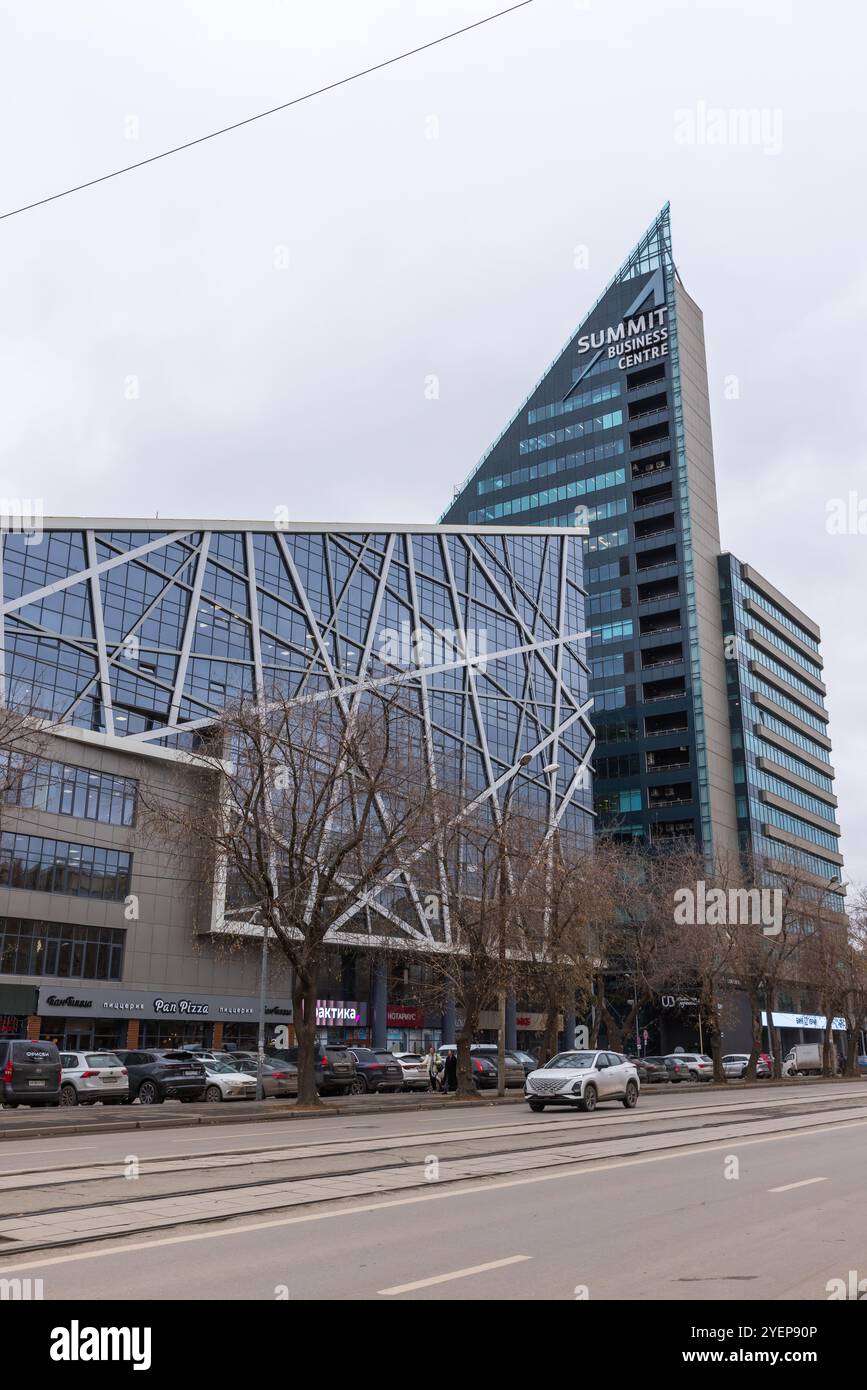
(83, 1222)
(689, 1118)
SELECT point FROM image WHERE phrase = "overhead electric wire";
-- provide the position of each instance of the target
(261, 115)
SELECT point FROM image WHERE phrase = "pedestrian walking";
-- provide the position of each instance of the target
(432, 1068)
(450, 1072)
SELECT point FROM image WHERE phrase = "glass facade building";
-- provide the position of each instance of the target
(129, 640)
(616, 435)
(781, 752)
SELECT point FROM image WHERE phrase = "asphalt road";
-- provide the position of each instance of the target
(752, 1195)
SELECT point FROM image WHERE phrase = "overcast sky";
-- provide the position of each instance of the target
(252, 324)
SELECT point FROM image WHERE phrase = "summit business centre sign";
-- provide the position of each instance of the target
(632, 341)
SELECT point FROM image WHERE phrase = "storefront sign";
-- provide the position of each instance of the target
(212, 1008)
(340, 1013)
(817, 1021)
(524, 1022)
(399, 1017)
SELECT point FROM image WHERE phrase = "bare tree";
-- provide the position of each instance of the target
(801, 946)
(566, 903)
(310, 812)
(634, 935)
(23, 738)
(478, 860)
(854, 968)
(702, 953)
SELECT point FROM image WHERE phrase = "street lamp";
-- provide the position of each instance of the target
(524, 760)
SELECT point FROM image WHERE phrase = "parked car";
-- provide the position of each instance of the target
(485, 1052)
(677, 1069)
(335, 1066)
(698, 1065)
(414, 1068)
(203, 1054)
(735, 1065)
(29, 1073)
(375, 1071)
(87, 1077)
(581, 1079)
(158, 1074)
(514, 1058)
(651, 1069)
(527, 1060)
(224, 1082)
(487, 1077)
(278, 1078)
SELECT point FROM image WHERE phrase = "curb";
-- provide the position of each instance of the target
(279, 1110)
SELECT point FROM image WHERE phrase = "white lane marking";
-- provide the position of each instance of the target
(453, 1190)
(70, 1149)
(456, 1274)
(790, 1186)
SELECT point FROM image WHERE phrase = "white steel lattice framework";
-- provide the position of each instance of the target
(139, 637)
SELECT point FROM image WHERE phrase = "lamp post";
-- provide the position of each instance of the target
(263, 987)
(524, 759)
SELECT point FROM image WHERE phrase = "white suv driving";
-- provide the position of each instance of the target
(580, 1079)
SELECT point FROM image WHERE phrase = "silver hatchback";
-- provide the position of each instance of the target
(87, 1077)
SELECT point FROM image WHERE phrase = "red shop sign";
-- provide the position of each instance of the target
(404, 1018)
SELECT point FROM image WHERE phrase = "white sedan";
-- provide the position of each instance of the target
(581, 1079)
(224, 1083)
(415, 1072)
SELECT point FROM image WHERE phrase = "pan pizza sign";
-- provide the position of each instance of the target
(131, 1003)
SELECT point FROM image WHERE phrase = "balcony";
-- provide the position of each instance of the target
(669, 794)
(652, 432)
(652, 624)
(656, 590)
(666, 689)
(645, 378)
(650, 496)
(646, 467)
(658, 661)
(648, 405)
(653, 559)
(668, 759)
(657, 725)
(653, 526)
(673, 830)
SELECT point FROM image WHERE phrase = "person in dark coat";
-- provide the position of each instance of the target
(450, 1072)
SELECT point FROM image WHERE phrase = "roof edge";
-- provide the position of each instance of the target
(165, 524)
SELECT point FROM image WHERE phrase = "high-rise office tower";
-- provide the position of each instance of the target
(617, 434)
(784, 780)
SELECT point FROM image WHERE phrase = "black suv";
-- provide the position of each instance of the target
(157, 1074)
(29, 1073)
(335, 1066)
(377, 1071)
